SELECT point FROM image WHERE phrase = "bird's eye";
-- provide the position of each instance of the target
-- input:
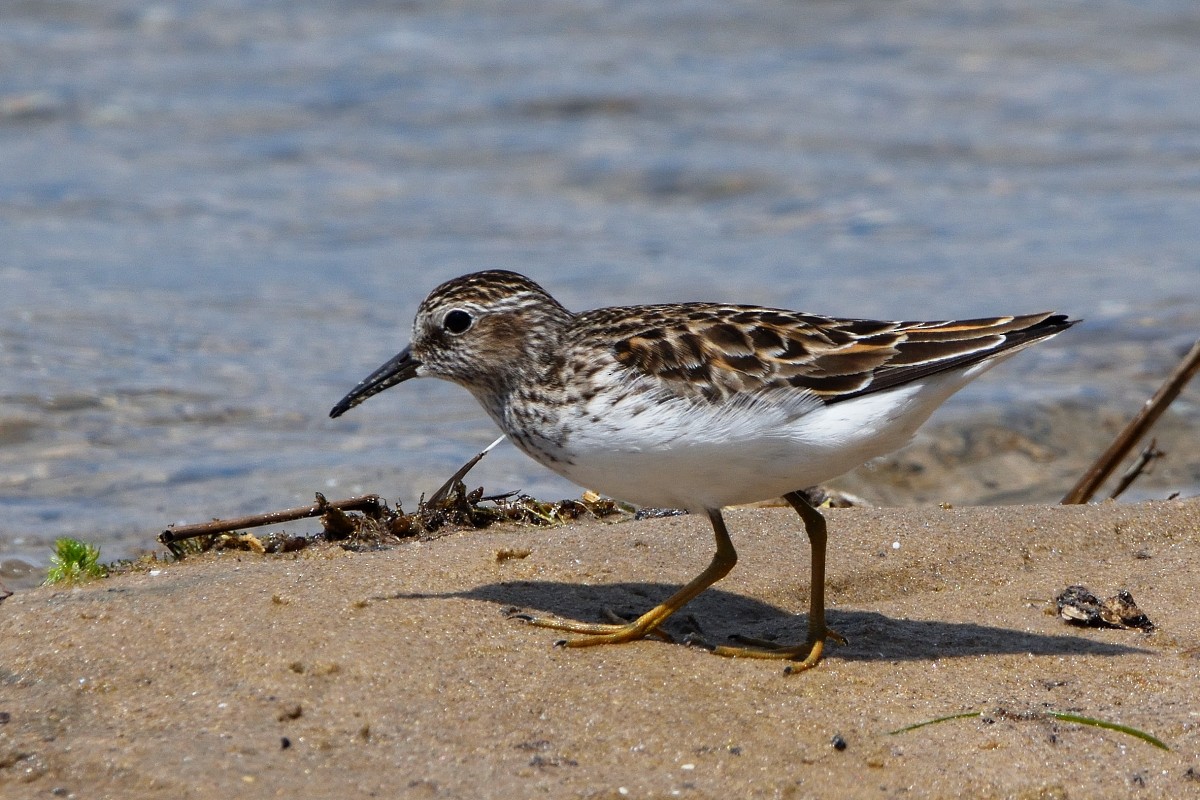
(457, 321)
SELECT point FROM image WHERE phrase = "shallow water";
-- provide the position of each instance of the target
(218, 216)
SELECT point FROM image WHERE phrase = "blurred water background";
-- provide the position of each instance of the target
(216, 216)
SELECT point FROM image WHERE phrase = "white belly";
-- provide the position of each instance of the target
(694, 456)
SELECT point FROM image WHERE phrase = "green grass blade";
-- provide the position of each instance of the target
(1059, 715)
(934, 722)
(1109, 726)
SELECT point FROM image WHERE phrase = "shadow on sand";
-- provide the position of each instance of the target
(718, 614)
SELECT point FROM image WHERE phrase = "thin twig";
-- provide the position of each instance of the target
(1150, 453)
(1083, 491)
(369, 503)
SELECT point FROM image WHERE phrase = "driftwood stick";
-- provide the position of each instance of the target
(1136, 429)
(1150, 453)
(368, 503)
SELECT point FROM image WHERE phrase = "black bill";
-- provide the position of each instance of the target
(402, 367)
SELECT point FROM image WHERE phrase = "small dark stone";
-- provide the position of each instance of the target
(839, 743)
(284, 743)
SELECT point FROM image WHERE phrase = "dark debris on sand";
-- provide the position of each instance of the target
(374, 524)
(1078, 606)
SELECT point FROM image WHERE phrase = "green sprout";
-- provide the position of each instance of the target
(74, 562)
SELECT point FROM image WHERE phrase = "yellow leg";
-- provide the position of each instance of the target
(809, 652)
(646, 624)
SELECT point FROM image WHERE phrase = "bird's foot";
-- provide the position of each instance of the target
(806, 654)
(596, 633)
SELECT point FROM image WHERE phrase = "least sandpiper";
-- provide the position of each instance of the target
(695, 405)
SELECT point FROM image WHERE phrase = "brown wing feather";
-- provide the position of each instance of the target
(932, 347)
(722, 350)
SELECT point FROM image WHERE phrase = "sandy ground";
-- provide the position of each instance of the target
(395, 674)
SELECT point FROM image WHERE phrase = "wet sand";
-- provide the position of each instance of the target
(395, 674)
